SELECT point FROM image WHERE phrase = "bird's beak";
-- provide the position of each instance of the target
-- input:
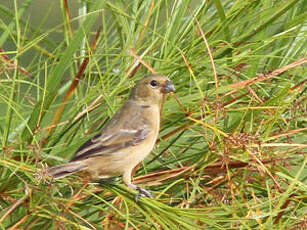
(169, 87)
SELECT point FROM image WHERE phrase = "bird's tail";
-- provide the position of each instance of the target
(66, 169)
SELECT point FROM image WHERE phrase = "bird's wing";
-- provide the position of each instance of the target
(126, 128)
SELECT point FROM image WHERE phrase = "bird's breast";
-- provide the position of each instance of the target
(140, 151)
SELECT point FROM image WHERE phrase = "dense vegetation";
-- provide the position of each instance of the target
(232, 148)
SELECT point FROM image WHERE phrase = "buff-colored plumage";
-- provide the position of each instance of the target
(126, 139)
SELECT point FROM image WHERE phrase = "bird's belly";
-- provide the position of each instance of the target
(120, 162)
(135, 157)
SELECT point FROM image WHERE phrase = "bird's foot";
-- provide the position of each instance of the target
(142, 192)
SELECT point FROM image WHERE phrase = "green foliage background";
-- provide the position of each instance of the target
(233, 156)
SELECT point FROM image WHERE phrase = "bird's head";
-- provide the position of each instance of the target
(151, 89)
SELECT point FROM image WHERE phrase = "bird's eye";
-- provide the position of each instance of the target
(153, 83)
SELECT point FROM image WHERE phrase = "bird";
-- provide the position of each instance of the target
(126, 139)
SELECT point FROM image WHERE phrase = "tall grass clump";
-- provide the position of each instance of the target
(231, 153)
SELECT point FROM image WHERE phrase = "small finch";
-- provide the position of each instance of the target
(127, 138)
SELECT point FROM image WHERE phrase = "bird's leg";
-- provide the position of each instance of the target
(142, 192)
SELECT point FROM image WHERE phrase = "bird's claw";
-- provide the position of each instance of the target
(142, 193)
